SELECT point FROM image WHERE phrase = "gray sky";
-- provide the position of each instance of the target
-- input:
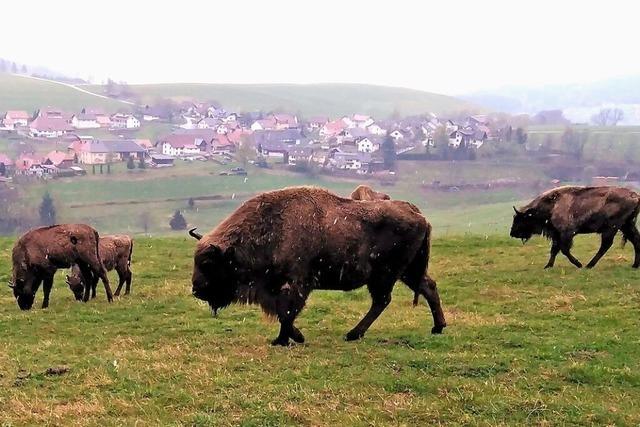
(445, 46)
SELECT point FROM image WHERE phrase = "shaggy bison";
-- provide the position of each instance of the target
(563, 212)
(115, 253)
(41, 251)
(279, 246)
(364, 192)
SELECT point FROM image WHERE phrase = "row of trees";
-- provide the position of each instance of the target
(11, 67)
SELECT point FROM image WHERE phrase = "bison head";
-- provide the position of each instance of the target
(526, 223)
(214, 276)
(76, 285)
(24, 288)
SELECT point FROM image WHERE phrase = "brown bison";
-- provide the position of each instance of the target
(364, 192)
(41, 251)
(279, 246)
(563, 212)
(115, 252)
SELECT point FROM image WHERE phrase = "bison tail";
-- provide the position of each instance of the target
(130, 252)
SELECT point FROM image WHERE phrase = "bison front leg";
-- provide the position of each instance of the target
(606, 242)
(630, 232)
(47, 284)
(380, 299)
(289, 303)
(555, 248)
(565, 248)
(121, 281)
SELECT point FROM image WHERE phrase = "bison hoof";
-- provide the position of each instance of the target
(297, 336)
(437, 329)
(548, 266)
(284, 342)
(353, 335)
(635, 266)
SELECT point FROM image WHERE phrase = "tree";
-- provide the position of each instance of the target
(47, 210)
(177, 221)
(574, 142)
(145, 221)
(389, 152)
(23, 69)
(521, 136)
(130, 163)
(191, 203)
(142, 164)
(441, 141)
(14, 68)
(246, 150)
(3, 66)
(607, 117)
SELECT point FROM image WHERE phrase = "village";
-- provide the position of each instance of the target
(354, 144)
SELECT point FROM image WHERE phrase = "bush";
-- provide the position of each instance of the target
(177, 221)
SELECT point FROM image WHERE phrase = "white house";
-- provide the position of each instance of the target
(366, 145)
(84, 121)
(208, 123)
(124, 121)
(15, 118)
(150, 117)
(375, 129)
(396, 134)
(362, 121)
(173, 149)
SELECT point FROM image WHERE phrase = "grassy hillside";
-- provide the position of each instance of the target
(524, 346)
(22, 93)
(312, 99)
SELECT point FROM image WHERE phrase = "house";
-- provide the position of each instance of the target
(208, 123)
(49, 127)
(15, 118)
(264, 124)
(58, 159)
(190, 122)
(367, 144)
(274, 149)
(315, 123)
(85, 121)
(28, 165)
(96, 152)
(124, 121)
(300, 155)
(285, 136)
(397, 134)
(183, 144)
(285, 121)
(144, 143)
(221, 143)
(150, 114)
(332, 128)
(376, 129)
(362, 121)
(161, 161)
(462, 137)
(350, 161)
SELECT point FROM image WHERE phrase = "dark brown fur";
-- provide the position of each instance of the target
(563, 212)
(279, 246)
(115, 252)
(41, 251)
(364, 192)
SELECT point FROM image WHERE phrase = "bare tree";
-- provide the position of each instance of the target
(607, 117)
(145, 221)
(246, 150)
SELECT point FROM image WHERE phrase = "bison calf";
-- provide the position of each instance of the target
(364, 192)
(40, 252)
(115, 252)
(563, 212)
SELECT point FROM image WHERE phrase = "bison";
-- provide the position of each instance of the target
(563, 212)
(364, 192)
(41, 251)
(115, 252)
(279, 246)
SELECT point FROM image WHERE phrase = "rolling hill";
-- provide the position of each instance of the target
(329, 99)
(25, 93)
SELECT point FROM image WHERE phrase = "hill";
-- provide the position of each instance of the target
(524, 346)
(313, 99)
(24, 93)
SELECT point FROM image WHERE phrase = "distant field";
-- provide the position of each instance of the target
(21, 93)
(313, 99)
(523, 346)
(144, 194)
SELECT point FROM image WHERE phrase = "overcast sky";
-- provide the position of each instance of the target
(445, 46)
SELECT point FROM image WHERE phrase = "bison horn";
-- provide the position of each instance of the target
(195, 235)
(11, 285)
(515, 210)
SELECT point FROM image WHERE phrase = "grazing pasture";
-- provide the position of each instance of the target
(523, 346)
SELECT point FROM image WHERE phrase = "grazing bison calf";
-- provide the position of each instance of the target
(115, 253)
(563, 212)
(40, 252)
(279, 246)
(364, 192)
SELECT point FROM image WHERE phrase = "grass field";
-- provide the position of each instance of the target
(22, 93)
(524, 346)
(313, 99)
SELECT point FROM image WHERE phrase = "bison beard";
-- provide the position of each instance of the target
(279, 246)
(563, 212)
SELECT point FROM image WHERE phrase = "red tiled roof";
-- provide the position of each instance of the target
(50, 124)
(4, 159)
(57, 157)
(17, 114)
